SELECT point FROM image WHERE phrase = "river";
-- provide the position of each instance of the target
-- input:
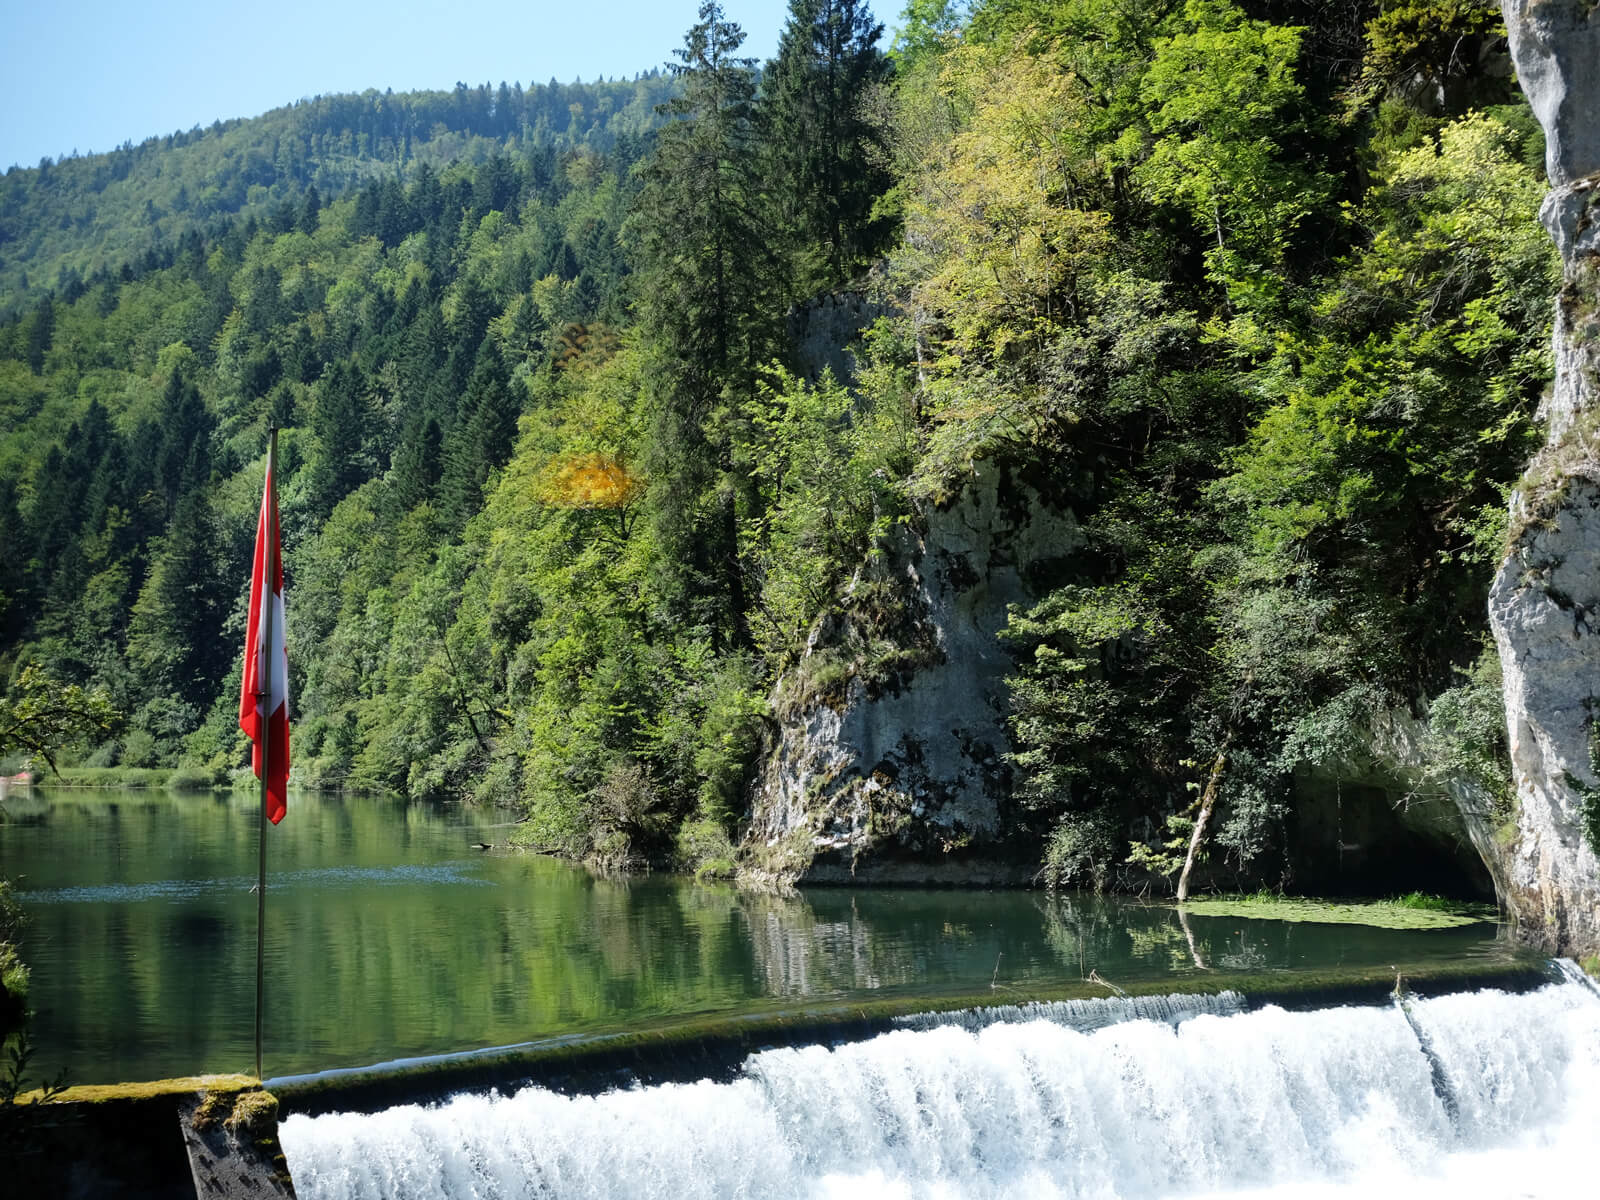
(391, 935)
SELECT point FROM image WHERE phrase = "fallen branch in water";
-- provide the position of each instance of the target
(1094, 977)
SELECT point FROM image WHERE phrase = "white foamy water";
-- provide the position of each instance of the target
(1336, 1103)
(1083, 1015)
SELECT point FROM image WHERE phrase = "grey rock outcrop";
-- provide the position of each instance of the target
(1558, 65)
(1544, 605)
(824, 330)
(888, 761)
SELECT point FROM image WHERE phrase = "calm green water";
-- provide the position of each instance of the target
(389, 936)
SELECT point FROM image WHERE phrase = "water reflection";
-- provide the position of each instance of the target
(390, 935)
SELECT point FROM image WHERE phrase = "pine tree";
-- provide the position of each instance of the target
(174, 640)
(700, 237)
(311, 212)
(340, 423)
(826, 161)
(14, 595)
(40, 335)
(705, 304)
(481, 439)
(182, 439)
(416, 467)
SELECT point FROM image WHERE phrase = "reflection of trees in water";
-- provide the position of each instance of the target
(1090, 931)
(831, 942)
(1078, 930)
(1194, 945)
(1085, 931)
(835, 942)
(1164, 945)
(796, 953)
(500, 948)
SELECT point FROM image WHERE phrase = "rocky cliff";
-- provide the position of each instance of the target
(1545, 602)
(823, 332)
(888, 762)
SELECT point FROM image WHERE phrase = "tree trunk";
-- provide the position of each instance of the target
(1208, 801)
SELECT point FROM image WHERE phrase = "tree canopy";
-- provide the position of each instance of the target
(1256, 291)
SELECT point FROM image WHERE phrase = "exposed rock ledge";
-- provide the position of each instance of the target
(887, 765)
(1544, 606)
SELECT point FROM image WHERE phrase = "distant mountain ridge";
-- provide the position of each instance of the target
(65, 223)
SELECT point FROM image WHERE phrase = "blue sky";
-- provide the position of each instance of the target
(90, 74)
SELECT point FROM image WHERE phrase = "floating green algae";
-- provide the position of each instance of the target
(1404, 913)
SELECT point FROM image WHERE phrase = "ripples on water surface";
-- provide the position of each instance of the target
(390, 936)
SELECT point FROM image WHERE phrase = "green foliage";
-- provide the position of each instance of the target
(13, 972)
(705, 301)
(826, 469)
(1164, 858)
(13, 975)
(1406, 912)
(704, 850)
(1081, 852)
(13, 989)
(1467, 736)
(1426, 52)
(1224, 103)
(927, 26)
(827, 164)
(14, 1079)
(1424, 902)
(1589, 794)
(75, 222)
(726, 738)
(39, 716)
(1369, 412)
(126, 776)
(1258, 302)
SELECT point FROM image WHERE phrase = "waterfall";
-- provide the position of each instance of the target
(1333, 1103)
(1573, 973)
(1083, 1015)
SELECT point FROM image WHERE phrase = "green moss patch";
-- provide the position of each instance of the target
(1405, 913)
(104, 1093)
(255, 1115)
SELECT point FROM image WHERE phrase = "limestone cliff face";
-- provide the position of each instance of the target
(887, 763)
(823, 331)
(1545, 603)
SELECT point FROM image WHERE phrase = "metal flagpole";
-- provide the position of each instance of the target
(263, 698)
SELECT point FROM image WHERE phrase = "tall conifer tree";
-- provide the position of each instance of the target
(704, 306)
(825, 163)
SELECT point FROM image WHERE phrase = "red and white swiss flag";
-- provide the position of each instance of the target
(266, 633)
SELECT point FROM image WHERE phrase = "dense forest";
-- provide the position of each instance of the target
(1255, 288)
(70, 220)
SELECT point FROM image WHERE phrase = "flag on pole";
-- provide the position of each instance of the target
(264, 697)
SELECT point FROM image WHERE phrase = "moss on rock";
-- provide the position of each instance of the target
(254, 1115)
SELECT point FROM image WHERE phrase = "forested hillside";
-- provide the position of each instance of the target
(1256, 289)
(65, 223)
